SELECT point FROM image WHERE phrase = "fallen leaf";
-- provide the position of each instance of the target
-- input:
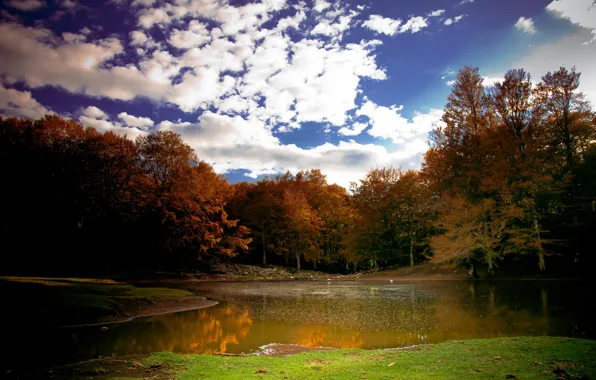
(391, 365)
(261, 370)
(497, 358)
(538, 363)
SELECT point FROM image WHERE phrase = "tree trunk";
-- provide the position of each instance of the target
(491, 270)
(411, 251)
(263, 242)
(297, 261)
(472, 272)
(541, 264)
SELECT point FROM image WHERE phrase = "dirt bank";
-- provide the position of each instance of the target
(60, 302)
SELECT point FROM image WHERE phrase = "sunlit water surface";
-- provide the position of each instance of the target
(339, 314)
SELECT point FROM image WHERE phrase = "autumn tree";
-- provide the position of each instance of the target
(393, 218)
(302, 228)
(454, 159)
(410, 212)
(257, 206)
(567, 114)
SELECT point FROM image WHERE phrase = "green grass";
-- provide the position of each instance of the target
(501, 358)
(64, 301)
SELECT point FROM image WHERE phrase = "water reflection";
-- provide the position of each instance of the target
(340, 315)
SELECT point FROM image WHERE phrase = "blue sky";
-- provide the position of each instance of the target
(264, 86)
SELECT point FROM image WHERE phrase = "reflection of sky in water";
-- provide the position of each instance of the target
(367, 315)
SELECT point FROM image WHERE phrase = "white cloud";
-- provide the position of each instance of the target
(335, 26)
(25, 5)
(382, 24)
(436, 13)
(319, 82)
(143, 3)
(95, 113)
(138, 38)
(579, 12)
(14, 103)
(150, 17)
(250, 78)
(392, 27)
(73, 37)
(465, 1)
(388, 123)
(525, 25)
(76, 67)
(321, 5)
(135, 121)
(567, 51)
(354, 130)
(196, 35)
(98, 119)
(491, 81)
(450, 20)
(231, 143)
(414, 25)
(233, 19)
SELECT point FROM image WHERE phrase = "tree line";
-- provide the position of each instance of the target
(507, 182)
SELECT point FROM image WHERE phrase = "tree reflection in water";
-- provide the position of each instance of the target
(343, 316)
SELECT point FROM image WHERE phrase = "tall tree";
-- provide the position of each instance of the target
(302, 229)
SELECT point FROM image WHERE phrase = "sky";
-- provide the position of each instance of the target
(260, 87)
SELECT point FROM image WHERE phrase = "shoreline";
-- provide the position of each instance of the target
(161, 307)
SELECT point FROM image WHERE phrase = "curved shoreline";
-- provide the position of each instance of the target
(196, 303)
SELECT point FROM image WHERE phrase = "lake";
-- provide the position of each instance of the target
(334, 314)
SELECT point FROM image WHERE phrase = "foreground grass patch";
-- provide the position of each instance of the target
(502, 358)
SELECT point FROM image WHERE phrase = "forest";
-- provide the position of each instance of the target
(507, 183)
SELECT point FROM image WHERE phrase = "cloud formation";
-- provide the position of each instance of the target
(525, 25)
(450, 21)
(579, 12)
(240, 78)
(14, 103)
(25, 5)
(391, 27)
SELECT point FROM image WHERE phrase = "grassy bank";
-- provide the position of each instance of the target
(501, 358)
(69, 301)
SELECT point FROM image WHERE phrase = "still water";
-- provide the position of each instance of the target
(340, 314)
